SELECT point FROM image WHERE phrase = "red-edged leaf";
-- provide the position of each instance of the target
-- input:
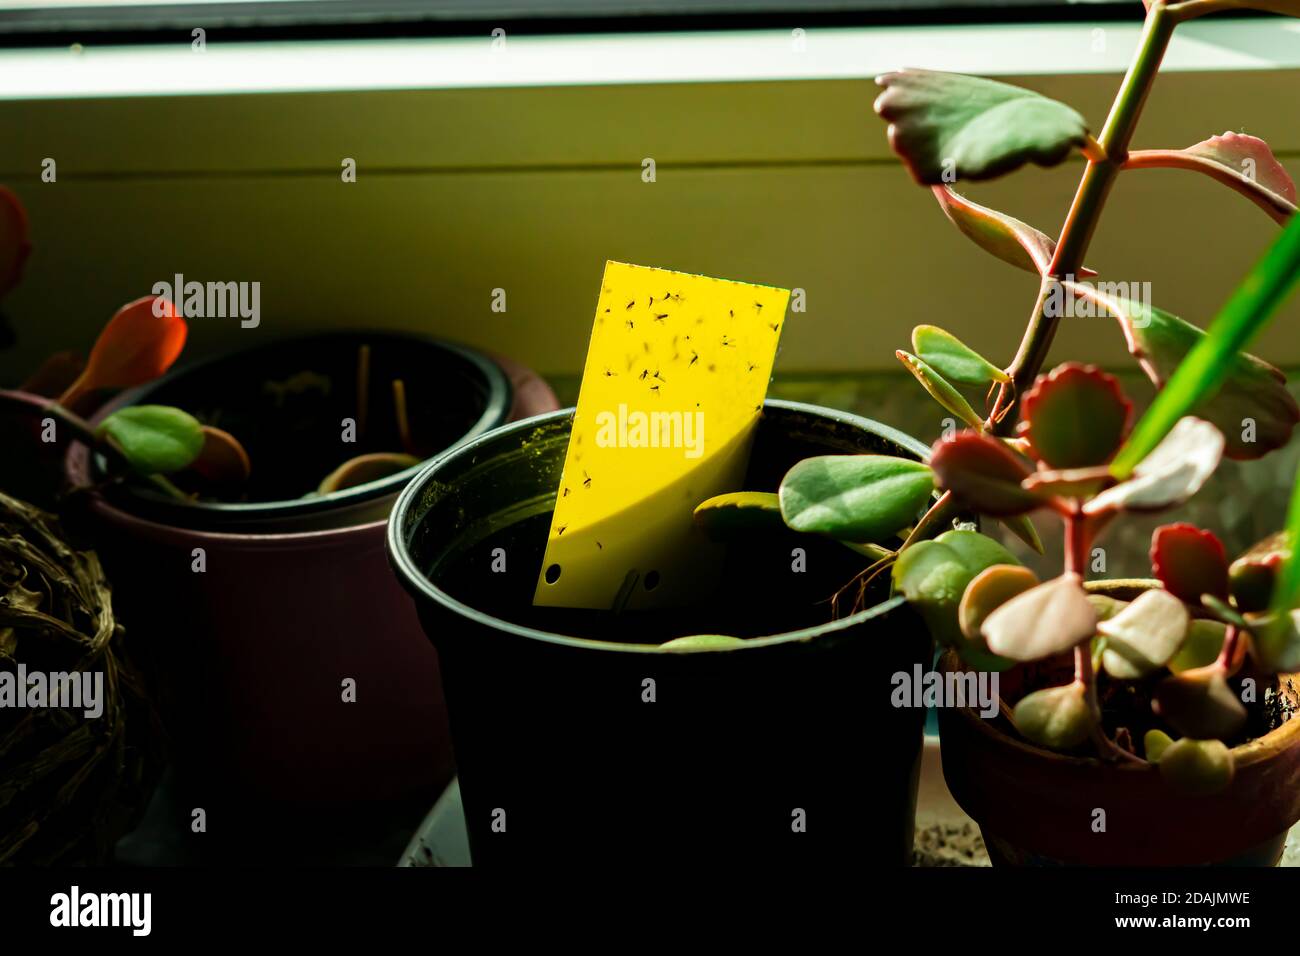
(1171, 474)
(1075, 417)
(1242, 162)
(1189, 562)
(1005, 236)
(983, 473)
(140, 342)
(15, 246)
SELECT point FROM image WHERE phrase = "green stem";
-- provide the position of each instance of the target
(1085, 211)
(941, 512)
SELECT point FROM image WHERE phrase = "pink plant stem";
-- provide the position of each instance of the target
(1229, 649)
(1077, 540)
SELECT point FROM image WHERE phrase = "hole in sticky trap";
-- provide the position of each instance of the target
(651, 580)
(552, 574)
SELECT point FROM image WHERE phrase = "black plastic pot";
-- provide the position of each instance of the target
(562, 759)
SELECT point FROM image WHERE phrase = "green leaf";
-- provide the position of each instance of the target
(1286, 592)
(1224, 611)
(1023, 528)
(1075, 417)
(858, 498)
(1252, 577)
(1213, 364)
(701, 642)
(1045, 620)
(952, 359)
(724, 517)
(1277, 640)
(1105, 605)
(987, 592)
(1199, 703)
(976, 551)
(154, 438)
(949, 127)
(1056, 717)
(1201, 767)
(1252, 389)
(940, 389)
(1154, 743)
(1142, 637)
(933, 576)
(1204, 642)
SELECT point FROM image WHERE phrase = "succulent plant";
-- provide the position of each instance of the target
(141, 341)
(1189, 638)
(1065, 441)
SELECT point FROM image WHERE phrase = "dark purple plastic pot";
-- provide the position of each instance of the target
(252, 654)
(562, 759)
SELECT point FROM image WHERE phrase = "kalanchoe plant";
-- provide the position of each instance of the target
(949, 129)
(1065, 442)
(1191, 637)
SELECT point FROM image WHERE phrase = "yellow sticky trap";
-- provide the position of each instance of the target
(676, 373)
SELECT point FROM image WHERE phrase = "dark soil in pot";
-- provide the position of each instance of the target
(1038, 807)
(785, 749)
(286, 403)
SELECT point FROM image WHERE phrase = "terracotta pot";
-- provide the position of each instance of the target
(1037, 807)
(553, 737)
(296, 597)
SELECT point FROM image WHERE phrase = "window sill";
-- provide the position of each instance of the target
(702, 57)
